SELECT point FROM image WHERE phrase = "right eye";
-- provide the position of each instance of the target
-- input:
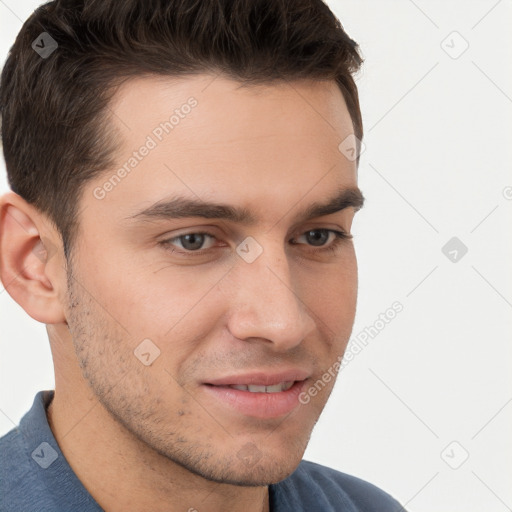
(190, 242)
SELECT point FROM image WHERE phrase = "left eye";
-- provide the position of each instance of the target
(319, 237)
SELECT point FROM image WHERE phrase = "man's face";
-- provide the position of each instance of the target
(221, 309)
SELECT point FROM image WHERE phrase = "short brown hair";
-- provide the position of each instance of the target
(55, 129)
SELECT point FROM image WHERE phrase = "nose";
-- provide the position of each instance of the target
(266, 303)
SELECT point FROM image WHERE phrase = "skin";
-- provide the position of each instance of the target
(149, 437)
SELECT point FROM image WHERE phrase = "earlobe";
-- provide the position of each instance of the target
(27, 248)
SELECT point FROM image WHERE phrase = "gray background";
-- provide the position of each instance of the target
(424, 409)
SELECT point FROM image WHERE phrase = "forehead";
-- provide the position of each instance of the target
(208, 111)
(208, 136)
(150, 98)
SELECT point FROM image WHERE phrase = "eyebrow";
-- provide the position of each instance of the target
(182, 207)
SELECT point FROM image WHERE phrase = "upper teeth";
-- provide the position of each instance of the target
(276, 388)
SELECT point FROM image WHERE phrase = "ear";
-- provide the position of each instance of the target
(32, 267)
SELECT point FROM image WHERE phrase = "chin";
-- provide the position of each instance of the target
(249, 467)
(257, 475)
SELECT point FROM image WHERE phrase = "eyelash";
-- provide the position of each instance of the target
(340, 237)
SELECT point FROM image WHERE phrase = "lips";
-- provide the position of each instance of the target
(258, 394)
(253, 388)
(262, 378)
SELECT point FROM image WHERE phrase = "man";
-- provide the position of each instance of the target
(184, 181)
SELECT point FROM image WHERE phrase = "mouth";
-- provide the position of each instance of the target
(254, 388)
(258, 395)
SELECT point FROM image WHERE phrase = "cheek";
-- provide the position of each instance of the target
(332, 296)
(333, 288)
(153, 296)
(176, 309)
